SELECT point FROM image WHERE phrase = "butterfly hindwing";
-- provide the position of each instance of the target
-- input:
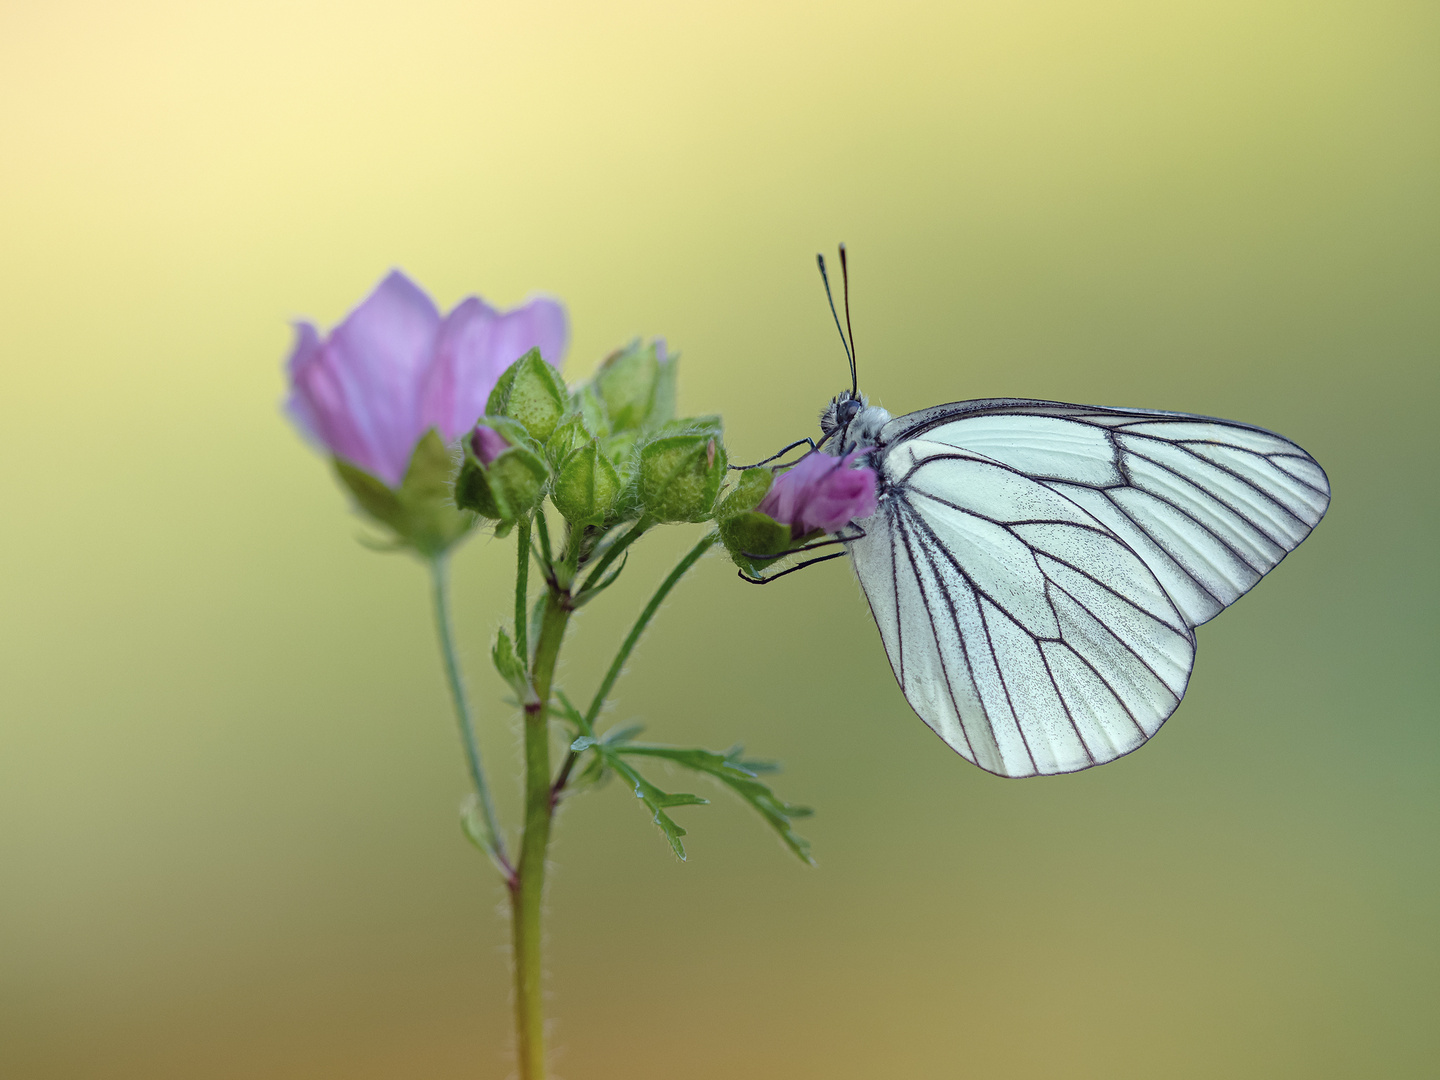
(1036, 569)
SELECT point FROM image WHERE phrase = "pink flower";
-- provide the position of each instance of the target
(394, 368)
(821, 492)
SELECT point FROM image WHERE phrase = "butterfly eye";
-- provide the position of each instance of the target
(847, 411)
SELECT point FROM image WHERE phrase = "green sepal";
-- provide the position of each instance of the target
(620, 449)
(586, 486)
(592, 410)
(626, 383)
(709, 423)
(754, 540)
(421, 512)
(680, 475)
(569, 435)
(662, 404)
(532, 392)
(753, 485)
(509, 487)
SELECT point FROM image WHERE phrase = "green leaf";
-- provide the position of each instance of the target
(479, 834)
(739, 776)
(655, 800)
(509, 665)
(619, 736)
(731, 768)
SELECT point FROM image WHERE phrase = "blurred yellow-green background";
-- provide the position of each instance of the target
(228, 778)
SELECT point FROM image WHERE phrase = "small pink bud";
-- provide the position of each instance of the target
(821, 492)
(488, 444)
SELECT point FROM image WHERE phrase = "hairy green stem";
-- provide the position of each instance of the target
(440, 581)
(528, 885)
(643, 621)
(597, 574)
(547, 557)
(522, 592)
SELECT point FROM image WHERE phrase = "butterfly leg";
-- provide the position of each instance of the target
(807, 441)
(859, 535)
(789, 570)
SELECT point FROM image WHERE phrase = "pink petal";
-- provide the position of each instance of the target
(358, 390)
(475, 346)
(821, 492)
(305, 353)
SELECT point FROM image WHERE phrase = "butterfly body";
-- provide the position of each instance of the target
(1037, 569)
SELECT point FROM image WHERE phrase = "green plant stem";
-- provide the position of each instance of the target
(597, 574)
(633, 639)
(522, 591)
(547, 557)
(440, 581)
(528, 885)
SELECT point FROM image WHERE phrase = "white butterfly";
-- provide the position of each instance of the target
(1037, 569)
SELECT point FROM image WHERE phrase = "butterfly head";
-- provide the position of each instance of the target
(849, 423)
(842, 409)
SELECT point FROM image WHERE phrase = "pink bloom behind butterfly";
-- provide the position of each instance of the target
(821, 492)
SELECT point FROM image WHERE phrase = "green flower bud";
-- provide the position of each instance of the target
(680, 475)
(746, 532)
(637, 385)
(586, 487)
(592, 408)
(532, 392)
(502, 478)
(620, 449)
(421, 512)
(753, 539)
(571, 434)
(752, 486)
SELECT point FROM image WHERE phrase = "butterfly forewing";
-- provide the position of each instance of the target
(1036, 568)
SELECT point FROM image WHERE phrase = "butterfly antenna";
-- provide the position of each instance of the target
(849, 354)
(845, 288)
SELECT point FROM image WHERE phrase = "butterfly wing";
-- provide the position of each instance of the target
(1036, 569)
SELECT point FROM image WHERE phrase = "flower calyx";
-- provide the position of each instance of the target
(680, 470)
(420, 512)
(586, 486)
(637, 386)
(532, 393)
(503, 476)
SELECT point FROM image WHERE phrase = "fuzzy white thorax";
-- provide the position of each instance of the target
(862, 431)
